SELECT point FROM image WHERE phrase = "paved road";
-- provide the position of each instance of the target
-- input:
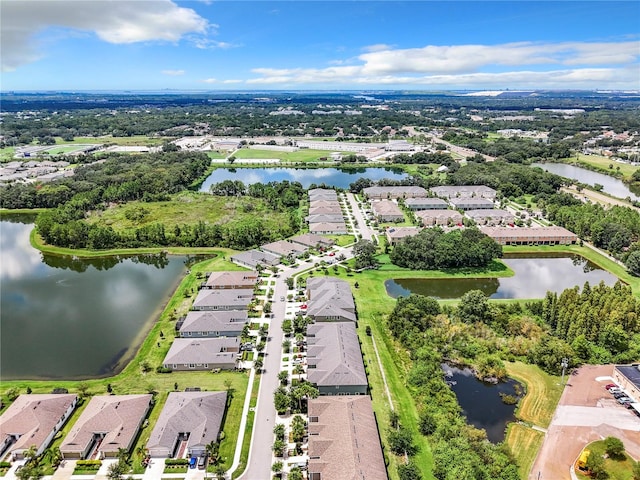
(366, 231)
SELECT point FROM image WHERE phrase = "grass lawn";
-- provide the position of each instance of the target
(6, 154)
(246, 441)
(543, 393)
(525, 443)
(601, 164)
(298, 156)
(215, 155)
(618, 469)
(189, 208)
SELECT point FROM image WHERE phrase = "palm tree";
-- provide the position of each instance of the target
(213, 449)
(219, 472)
(257, 364)
(298, 370)
(55, 455)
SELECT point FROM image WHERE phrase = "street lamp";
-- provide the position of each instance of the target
(564, 364)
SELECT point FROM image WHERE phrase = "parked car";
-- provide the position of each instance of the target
(609, 386)
(192, 462)
(202, 462)
(614, 390)
(623, 400)
(282, 299)
(619, 395)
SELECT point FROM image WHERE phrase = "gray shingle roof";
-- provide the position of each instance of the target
(214, 321)
(197, 413)
(239, 279)
(334, 349)
(237, 298)
(202, 351)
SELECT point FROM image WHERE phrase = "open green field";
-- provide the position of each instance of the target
(188, 208)
(215, 155)
(6, 154)
(299, 156)
(617, 468)
(62, 149)
(525, 443)
(601, 164)
(543, 393)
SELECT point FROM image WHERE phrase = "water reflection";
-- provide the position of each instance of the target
(332, 177)
(64, 317)
(535, 275)
(481, 402)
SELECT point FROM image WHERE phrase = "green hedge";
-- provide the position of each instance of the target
(88, 464)
(176, 461)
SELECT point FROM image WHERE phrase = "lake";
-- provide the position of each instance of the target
(481, 402)
(64, 317)
(535, 274)
(332, 177)
(612, 186)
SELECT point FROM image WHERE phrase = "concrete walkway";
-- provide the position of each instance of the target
(243, 426)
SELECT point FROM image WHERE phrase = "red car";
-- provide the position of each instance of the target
(303, 307)
(332, 254)
(609, 386)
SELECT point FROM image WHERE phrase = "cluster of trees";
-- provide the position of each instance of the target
(598, 322)
(291, 398)
(279, 195)
(512, 150)
(115, 178)
(432, 249)
(613, 229)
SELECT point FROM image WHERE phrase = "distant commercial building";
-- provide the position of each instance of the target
(341, 146)
(628, 377)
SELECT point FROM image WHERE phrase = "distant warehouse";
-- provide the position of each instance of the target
(531, 236)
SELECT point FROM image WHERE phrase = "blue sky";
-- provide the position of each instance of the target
(298, 45)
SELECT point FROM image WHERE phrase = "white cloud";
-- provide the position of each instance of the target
(173, 73)
(118, 22)
(207, 43)
(586, 65)
(378, 47)
(210, 80)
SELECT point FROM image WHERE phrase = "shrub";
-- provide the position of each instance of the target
(161, 369)
(176, 461)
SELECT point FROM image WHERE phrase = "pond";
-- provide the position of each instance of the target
(481, 402)
(64, 317)
(535, 274)
(332, 177)
(612, 186)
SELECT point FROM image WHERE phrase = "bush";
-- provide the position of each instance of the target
(614, 447)
(176, 461)
(88, 464)
(161, 369)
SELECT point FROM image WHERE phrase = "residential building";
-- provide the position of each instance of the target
(322, 194)
(220, 323)
(333, 209)
(330, 300)
(344, 441)
(334, 360)
(232, 280)
(395, 234)
(378, 193)
(387, 211)
(202, 354)
(282, 248)
(229, 299)
(312, 241)
(253, 258)
(430, 218)
(471, 203)
(34, 419)
(530, 235)
(464, 191)
(326, 218)
(490, 216)
(107, 424)
(425, 203)
(187, 423)
(328, 228)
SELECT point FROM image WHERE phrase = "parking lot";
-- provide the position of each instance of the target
(587, 412)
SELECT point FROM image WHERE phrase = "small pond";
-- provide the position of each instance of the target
(481, 402)
(612, 186)
(332, 177)
(535, 274)
(65, 317)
